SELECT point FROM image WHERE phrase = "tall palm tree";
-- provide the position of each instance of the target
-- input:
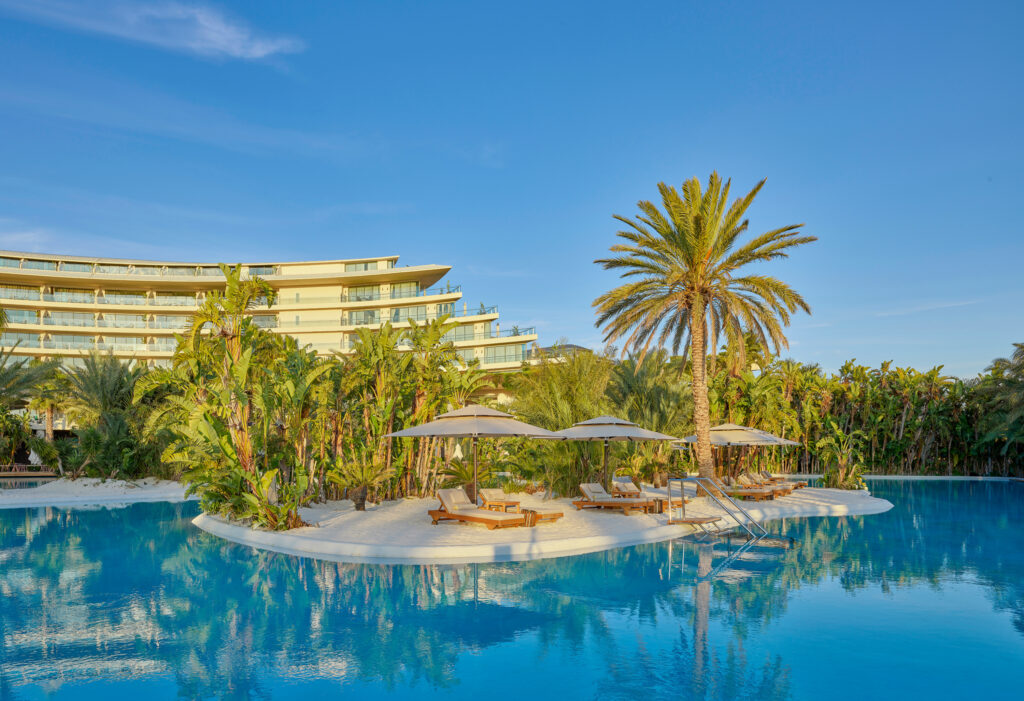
(687, 286)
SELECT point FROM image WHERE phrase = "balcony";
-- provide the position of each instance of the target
(122, 323)
(68, 321)
(173, 301)
(429, 292)
(487, 335)
(19, 293)
(122, 299)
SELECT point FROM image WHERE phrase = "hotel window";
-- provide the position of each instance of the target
(19, 292)
(124, 321)
(465, 333)
(26, 340)
(70, 342)
(76, 267)
(111, 269)
(124, 342)
(359, 267)
(70, 319)
(39, 265)
(64, 294)
(22, 316)
(505, 354)
(364, 316)
(406, 313)
(122, 297)
(468, 355)
(364, 293)
(405, 289)
(167, 299)
(265, 321)
(168, 322)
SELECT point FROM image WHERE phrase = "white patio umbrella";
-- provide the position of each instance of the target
(732, 434)
(607, 429)
(726, 435)
(475, 421)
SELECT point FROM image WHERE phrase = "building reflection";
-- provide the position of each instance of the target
(139, 593)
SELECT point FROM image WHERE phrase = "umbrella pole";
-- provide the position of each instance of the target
(474, 469)
(606, 483)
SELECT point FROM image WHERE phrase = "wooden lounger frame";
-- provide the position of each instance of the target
(442, 514)
(627, 506)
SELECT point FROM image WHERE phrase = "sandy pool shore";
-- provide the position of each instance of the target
(401, 532)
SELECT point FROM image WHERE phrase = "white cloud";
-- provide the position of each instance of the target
(188, 28)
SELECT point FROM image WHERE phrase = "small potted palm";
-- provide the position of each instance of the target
(358, 477)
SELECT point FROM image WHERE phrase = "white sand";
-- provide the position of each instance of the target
(401, 531)
(89, 491)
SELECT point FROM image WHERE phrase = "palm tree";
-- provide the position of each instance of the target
(48, 397)
(686, 286)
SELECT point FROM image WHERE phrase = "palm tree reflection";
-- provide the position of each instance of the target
(139, 593)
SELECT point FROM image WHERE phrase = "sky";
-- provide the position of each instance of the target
(501, 138)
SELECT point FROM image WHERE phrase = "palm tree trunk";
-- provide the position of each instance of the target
(49, 423)
(701, 408)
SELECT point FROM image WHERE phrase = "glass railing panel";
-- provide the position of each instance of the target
(209, 272)
(24, 340)
(109, 269)
(22, 316)
(70, 320)
(173, 301)
(26, 293)
(38, 265)
(70, 297)
(262, 270)
(77, 268)
(147, 270)
(122, 299)
(180, 272)
(10, 262)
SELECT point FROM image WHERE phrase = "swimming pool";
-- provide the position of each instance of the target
(923, 601)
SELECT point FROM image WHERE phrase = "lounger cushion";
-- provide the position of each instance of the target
(594, 492)
(624, 485)
(455, 499)
(493, 494)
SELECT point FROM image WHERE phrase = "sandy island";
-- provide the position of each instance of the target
(90, 491)
(400, 532)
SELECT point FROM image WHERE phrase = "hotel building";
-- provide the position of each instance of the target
(65, 306)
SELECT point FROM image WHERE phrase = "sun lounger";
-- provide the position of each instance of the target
(748, 479)
(497, 500)
(595, 497)
(625, 487)
(456, 506)
(796, 484)
(752, 493)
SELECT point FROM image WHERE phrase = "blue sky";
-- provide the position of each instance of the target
(501, 138)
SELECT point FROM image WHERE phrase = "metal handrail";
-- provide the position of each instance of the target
(699, 482)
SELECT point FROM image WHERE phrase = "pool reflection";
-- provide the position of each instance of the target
(137, 593)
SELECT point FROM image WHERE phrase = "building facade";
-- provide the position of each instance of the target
(66, 306)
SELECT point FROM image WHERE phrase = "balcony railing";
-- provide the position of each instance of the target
(180, 301)
(59, 321)
(15, 293)
(122, 299)
(122, 323)
(429, 292)
(485, 335)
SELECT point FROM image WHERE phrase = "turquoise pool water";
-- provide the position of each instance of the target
(925, 601)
